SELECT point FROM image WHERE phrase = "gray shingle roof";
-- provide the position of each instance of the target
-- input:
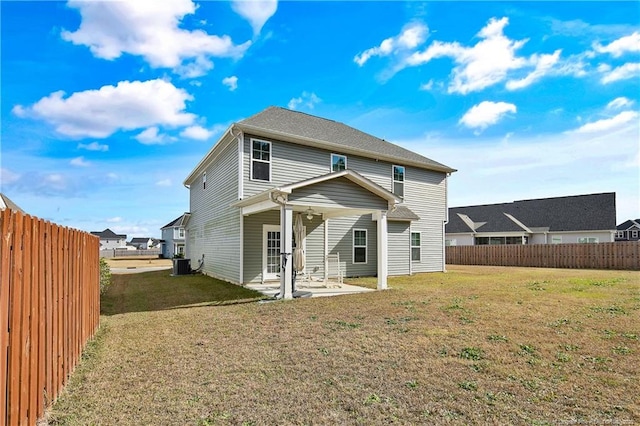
(573, 213)
(402, 213)
(335, 135)
(5, 202)
(179, 221)
(627, 224)
(108, 234)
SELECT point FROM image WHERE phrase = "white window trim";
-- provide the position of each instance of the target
(204, 180)
(353, 246)
(634, 234)
(556, 239)
(394, 181)
(337, 155)
(411, 246)
(251, 159)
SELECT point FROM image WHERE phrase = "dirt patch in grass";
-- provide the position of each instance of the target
(139, 263)
(477, 345)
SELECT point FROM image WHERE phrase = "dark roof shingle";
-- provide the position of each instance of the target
(592, 212)
(299, 124)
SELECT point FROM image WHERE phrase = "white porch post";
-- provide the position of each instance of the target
(326, 249)
(382, 251)
(286, 246)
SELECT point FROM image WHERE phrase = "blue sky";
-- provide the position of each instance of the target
(107, 106)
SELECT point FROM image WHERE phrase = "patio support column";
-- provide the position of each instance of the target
(382, 251)
(286, 246)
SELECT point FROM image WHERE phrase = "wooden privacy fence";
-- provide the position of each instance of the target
(619, 255)
(49, 308)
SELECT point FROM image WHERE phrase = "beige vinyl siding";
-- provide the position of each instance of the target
(254, 244)
(424, 193)
(399, 248)
(214, 227)
(341, 241)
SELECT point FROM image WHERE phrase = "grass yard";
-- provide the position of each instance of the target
(477, 345)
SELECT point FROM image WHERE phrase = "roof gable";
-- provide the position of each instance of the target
(180, 221)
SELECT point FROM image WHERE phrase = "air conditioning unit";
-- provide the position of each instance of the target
(181, 266)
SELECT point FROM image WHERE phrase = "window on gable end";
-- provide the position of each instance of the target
(204, 180)
(338, 162)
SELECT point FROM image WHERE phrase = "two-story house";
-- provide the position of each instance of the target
(381, 207)
(109, 240)
(173, 237)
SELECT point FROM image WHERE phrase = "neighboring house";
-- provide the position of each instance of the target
(6, 203)
(381, 207)
(110, 240)
(628, 230)
(155, 243)
(141, 243)
(573, 219)
(173, 237)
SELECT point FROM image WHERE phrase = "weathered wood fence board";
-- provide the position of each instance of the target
(49, 308)
(618, 255)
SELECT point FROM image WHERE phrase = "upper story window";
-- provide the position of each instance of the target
(204, 180)
(260, 160)
(398, 181)
(338, 162)
(178, 232)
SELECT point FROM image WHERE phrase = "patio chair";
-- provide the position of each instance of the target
(334, 273)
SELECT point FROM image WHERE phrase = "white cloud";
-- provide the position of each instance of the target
(619, 47)
(127, 106)
(79, 162)
(427, 86)
(411, 36)
(164, 182)
(197, 133)
(308, 99)
(231, 82)
(94, 146)
(152, 136)
(19, 111)
(485, 114)
(483, 65)
(150, 30)
(608, 124)
(257, 12)
(623, 72)
(194, 69)
(619, 103)
(116, 219)
(543, 65)
(495, 170)
(7, 176)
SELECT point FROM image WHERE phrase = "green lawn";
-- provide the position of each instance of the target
(477, 345)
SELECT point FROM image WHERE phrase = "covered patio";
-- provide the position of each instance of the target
(334, 195)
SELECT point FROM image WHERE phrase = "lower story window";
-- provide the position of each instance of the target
(359, 246)
(584, 240)
(415, 247)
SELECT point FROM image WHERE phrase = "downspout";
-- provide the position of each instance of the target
(444, 223)
(239, 136)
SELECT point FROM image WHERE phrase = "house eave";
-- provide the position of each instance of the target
(301, 140)
(224, 140)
